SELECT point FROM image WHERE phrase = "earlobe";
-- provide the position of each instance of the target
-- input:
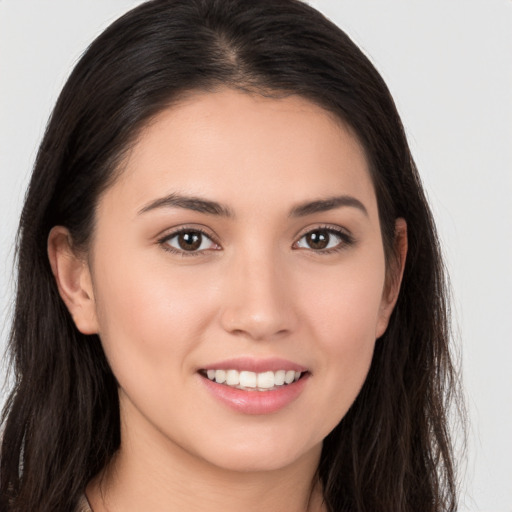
(73, 278)
(394, 277)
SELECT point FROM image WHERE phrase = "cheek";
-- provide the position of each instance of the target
(149, 316)
(345, 310)
(346, 332)
(343, 320)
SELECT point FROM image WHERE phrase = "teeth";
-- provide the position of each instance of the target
(220, 376)
(232, 378)
(266, 380)
(251, 380)
(289, 377)
(279, 377)
(248, 379)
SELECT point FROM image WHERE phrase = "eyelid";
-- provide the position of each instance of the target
(169, 234)
(346, 236)
(343, 233)
(324, 226)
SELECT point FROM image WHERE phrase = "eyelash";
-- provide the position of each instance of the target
(346, 240)
(166, 247)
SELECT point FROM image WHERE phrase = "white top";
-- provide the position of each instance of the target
(83, 505)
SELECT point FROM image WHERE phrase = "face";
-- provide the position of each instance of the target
(237, 279)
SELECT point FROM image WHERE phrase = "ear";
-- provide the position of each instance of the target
(73, 279)
(394, 276)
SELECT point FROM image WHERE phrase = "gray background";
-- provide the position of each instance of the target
(448, 64)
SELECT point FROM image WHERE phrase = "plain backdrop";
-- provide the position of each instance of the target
(448, 64)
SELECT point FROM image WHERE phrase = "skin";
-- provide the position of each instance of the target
(258, 289)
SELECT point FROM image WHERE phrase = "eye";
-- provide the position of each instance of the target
(324, 239)
(188, 241)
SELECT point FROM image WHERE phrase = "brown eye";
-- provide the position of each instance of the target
(190, 241)
(323, 240)
(318, 239)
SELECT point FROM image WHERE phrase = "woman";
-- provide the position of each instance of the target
(230, 291)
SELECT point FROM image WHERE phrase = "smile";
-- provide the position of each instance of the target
(250, 385)
(253, 381)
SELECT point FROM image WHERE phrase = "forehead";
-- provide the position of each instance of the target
(237, 147)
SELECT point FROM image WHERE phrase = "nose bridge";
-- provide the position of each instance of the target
(257, 301)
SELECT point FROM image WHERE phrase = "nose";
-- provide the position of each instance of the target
(258, 300)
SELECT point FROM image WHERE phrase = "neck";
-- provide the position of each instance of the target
(147, 474)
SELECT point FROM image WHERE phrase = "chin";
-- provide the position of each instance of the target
(260, 456)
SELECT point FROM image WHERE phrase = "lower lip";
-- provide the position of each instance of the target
(256, 402)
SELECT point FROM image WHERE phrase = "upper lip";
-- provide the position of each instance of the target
(257, 365)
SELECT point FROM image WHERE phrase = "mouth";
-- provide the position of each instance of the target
(253, 381)
(255, 386)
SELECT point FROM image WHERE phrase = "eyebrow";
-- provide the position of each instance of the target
(213, 208)
(324, 205)
(196, 204)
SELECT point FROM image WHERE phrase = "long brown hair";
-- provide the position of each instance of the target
(392, 451)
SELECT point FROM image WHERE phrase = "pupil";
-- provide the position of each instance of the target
(189, 241)
(318, 239)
